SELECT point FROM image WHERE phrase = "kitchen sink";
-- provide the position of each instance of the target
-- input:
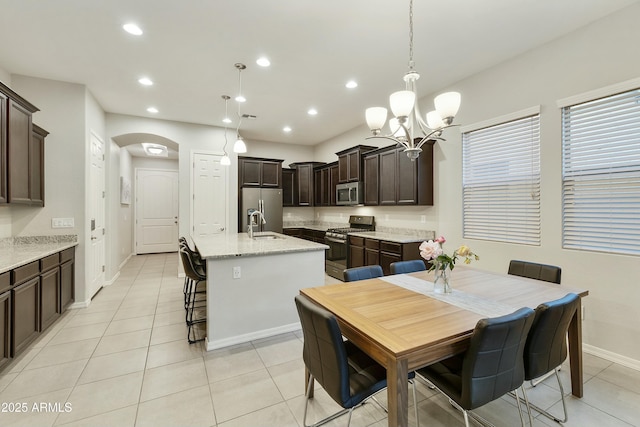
(266, 237)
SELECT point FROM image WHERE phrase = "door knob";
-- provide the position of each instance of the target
(221, 228)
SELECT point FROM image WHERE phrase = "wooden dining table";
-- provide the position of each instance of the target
(404, 330)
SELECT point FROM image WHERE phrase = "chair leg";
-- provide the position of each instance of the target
(564, 404)
(466, 418)
(520, 408)
(329, 418)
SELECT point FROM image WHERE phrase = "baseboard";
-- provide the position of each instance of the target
(124, 262)
(112, 281)
(79, 304)
(611, 356)
(239, 339)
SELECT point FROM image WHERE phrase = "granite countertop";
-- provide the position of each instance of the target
(232, 245)
(16, 255)
(390, 237)
(312, 227)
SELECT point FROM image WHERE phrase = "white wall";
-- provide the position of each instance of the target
(64, 113)
(598, 55)
(5, 77)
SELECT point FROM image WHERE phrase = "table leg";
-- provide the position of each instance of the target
(575, 351)
(397, 393)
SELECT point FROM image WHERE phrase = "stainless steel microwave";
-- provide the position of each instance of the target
(349, 194)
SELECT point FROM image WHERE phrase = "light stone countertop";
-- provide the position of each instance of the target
(17, 255)
(312, 227)
(233, 245)
(390, 237)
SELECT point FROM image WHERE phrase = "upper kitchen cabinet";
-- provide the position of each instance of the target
(288, 187)
(350, 163)
(36, 166)
(391, 178)
(304, 182)
(257, 172)
(22, 163)
(325, 181)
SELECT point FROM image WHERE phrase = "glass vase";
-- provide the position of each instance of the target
(442, 279)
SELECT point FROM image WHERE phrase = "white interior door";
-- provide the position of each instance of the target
(156, 211)
(96, 218)
(210, 200)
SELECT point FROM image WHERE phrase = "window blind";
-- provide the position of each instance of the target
(601, 174)
(501, 182)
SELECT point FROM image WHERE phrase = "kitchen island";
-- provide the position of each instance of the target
(251, 284)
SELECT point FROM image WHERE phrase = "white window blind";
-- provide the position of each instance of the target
(601, 174)
(501, 182)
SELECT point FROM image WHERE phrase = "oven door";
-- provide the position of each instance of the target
(335, 257)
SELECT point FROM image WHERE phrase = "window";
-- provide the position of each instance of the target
(501, 180)
(601, 174)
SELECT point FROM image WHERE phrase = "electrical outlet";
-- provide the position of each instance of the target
(423, 219)
(236, 272)
(62, 223)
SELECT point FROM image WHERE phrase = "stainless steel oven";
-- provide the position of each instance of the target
(336, 239)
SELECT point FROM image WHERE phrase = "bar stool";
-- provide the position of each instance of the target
(195, 295)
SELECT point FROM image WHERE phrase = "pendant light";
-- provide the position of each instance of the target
(239, 146)
(225, 160)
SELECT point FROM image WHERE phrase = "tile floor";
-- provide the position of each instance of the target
(125, 361)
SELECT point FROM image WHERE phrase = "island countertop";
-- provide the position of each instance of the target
(234, 245)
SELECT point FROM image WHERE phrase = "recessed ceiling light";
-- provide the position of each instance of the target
(263, 61)
(152, 110)
(312, 112)
(156, 150)
(351, 84)
(286, 129)
(226, 120)
(132, 28)
(241, 98)
(145, 81)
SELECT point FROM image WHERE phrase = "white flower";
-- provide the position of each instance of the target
(430, 250)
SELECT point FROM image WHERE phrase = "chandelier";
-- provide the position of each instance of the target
(408, 128)
(239, 146)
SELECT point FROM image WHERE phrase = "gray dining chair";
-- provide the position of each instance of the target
(404, 267)
(362, 273)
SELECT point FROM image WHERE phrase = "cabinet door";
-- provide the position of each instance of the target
(343, 168)
(371, 183)
(67, 291)
(324, 179)
(288, 186)
(18, 141)
(49, 297)
(305, 185)
(317, 187)
(250, 171)
(25, 302)
(371, 257)
(353, 159)
(36, 169)
(356, 256)
(407, 179)
(3, 147)
(5, 328)
(271, 172)
(387, 178)
(386, 258)
(334, 178)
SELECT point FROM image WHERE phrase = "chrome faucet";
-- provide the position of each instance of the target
(250, 226)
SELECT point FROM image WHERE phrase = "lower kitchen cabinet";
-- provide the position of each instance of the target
(5, 328)
(32, 298)
(364, 251)
(25, 314)
(50, 297)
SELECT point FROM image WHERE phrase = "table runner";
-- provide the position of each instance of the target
(482, 306)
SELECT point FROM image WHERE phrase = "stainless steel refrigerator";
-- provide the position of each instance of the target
(267, 200)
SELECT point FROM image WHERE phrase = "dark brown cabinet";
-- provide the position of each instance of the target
(257, 172)
(36, 166)
(380, 252)
(25, 316)
(288, 187)
(4, 102)
(305, 233)
(304, 182)
(67, 271)
(325, 181)
(18, 143)
(350, 163)
(49, 290)
(391, 178)
(32, 298)
(22, 151)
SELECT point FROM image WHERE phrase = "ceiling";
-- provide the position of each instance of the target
(189, 49)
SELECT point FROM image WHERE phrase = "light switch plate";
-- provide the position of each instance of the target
(62, 223)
